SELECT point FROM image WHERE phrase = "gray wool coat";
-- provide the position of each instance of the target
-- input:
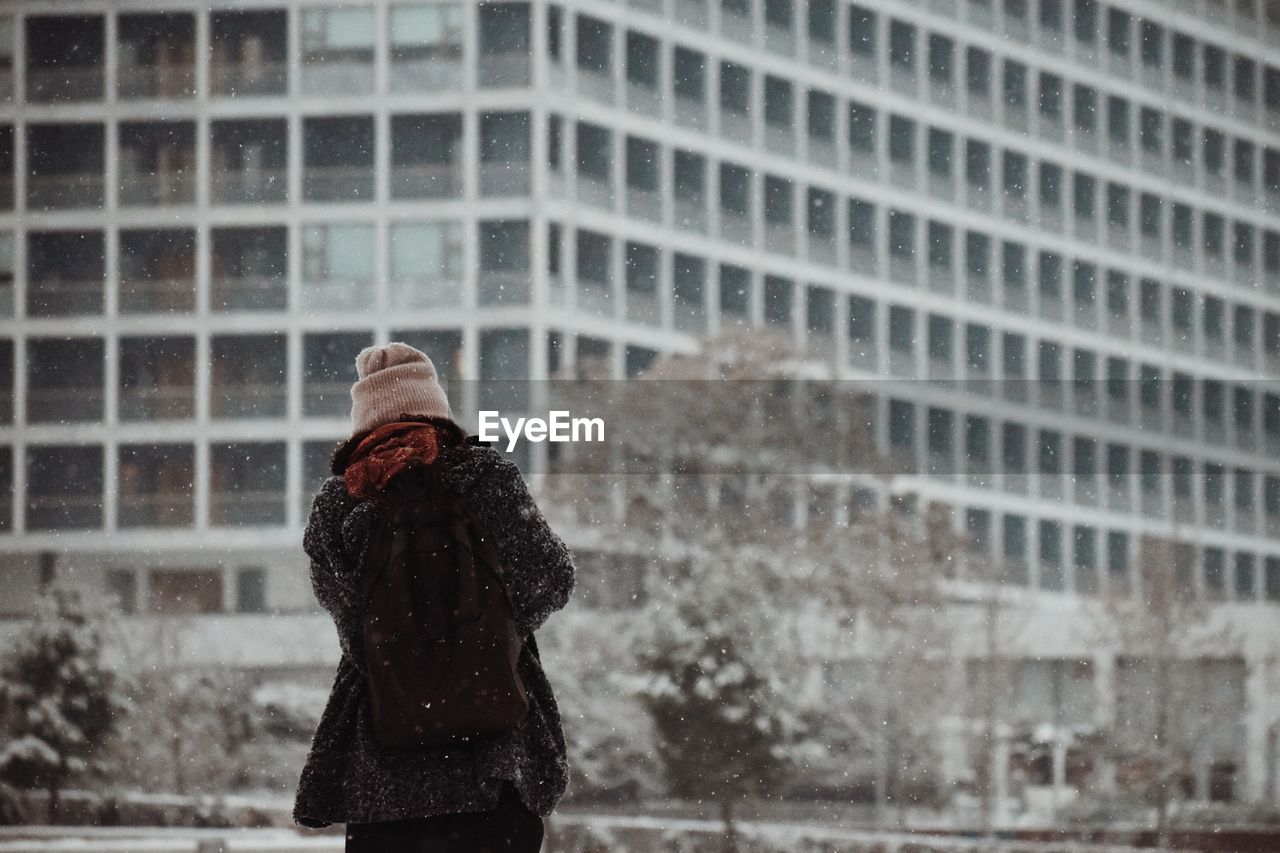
(348, 777)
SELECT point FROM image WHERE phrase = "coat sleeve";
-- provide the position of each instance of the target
(540, 568)
(336, 533)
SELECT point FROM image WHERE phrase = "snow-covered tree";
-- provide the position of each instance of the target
(59, 703)
(190, 732)
(1166, 713)
(708, 471)
(709, 683)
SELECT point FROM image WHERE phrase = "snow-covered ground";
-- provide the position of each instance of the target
(569, 832)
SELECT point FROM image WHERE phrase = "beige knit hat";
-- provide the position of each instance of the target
(395, 379)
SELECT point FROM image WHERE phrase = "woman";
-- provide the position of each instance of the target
(479, 795)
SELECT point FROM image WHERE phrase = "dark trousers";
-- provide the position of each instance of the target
(509, 828)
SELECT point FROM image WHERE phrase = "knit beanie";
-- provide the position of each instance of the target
(395, 379)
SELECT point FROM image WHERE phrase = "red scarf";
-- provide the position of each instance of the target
(386, 451)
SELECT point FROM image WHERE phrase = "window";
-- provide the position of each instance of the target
(821, 214)
(735, 88)
(594, 51)
(1084, 548)
(1014, 548)
(978, 73)
(941, 238)
(1050, 90)
(1084, 196)
(425, 264)
(902, 133)
(1246, 79)
(688, 74)
(1118, 120)
(1151, 37)
(778, 102)
(902, 43)
(941, 58)
(822, 20)
(1118, 557)
(251, 590)
(1119, 24)
(642, 60)
(1086, 22)
(941, 147)
(1015, 86)
(821, 116)
(862, 31)
(902, 427)
(862, 127)
(902, 234)
(977, 164)
(339, 253)
(1084, 108)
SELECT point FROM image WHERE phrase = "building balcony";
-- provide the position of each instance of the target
(337, 76)
(136, 82)
(596, 85)
(158, 189)
(326, 399)
(156, 509)
(151, 296)
(644, 204)
(596, 297)
(780, 40)
(503, 70)
(736, 127)
(863, 162)
(248, 400)
(645, 100)
(691, 214)
(504, 177)
(504, 287)
(692, 13)
(822, 249)
(822, 152)
(436, 293)
(249, 293)
(65, 192)
(596, 191)
(47, 85)
(338, 183)
(336, 295)
(690, 113)
(64, 298)
(244, 186)
(940, 279)
(426, 73)
(161, 402)
(426, 180)
(780, 139)
(780, 237)
(64, 512)
(249, 79)
(53, 405)
(689, 317)
(245, 508)
(735, 227)
(737, 27)
(643, 307)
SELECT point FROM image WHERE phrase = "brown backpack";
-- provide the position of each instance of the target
(440, 636)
